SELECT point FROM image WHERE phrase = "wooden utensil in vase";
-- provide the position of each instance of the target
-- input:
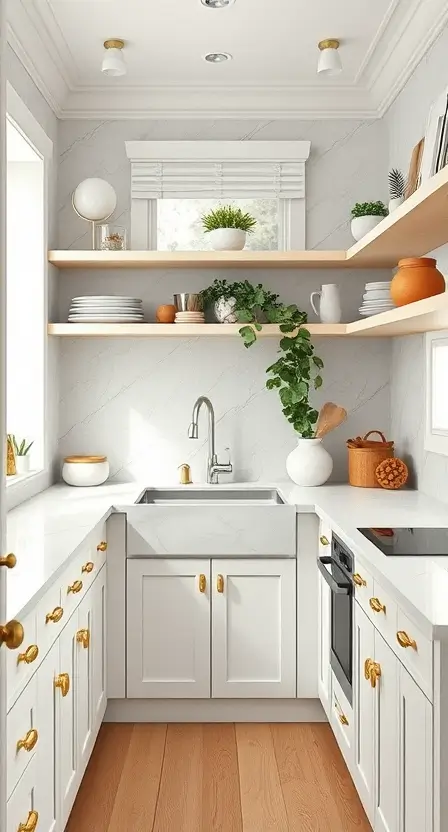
(330, 417)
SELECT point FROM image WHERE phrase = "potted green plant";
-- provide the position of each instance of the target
(21, 451)
(228, 226)
(397, 187)
(365, 216)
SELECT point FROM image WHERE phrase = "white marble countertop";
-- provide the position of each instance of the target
(46, 530)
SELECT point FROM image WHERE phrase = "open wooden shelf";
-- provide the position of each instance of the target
(197, 259)
(426, 315)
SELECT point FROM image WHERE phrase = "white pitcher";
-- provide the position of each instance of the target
(330, 304)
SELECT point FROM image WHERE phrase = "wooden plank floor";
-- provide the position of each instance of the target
(217, 778)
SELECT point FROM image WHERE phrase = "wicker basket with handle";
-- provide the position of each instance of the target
(364, 456)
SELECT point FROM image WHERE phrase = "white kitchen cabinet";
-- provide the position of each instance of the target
(387, 762)
(168, 628)
(324, 642)
(253, 628)
(83, 681)
(416, 755)
(46, 794)
(23, 810)
(364, 711)
(98, 643)
(65, 683)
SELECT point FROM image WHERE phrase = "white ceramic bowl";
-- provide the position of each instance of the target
(85, 470)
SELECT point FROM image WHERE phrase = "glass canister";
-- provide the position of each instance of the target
(110, 237)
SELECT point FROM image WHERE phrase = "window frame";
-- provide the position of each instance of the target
(436, 441)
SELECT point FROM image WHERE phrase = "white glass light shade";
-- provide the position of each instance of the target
(94, 199)
(113, 63)
(329, 61)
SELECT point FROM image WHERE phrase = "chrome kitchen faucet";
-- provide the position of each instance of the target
(214, 468)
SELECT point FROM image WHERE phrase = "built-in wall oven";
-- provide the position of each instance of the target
(337, 570)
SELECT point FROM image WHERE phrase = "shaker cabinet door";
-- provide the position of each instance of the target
(387, 739)
(364, 709)
(66, 696)
(324, 641)
(416, 755)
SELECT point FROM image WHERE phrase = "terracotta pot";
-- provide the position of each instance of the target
(165, 314)
(416, 278)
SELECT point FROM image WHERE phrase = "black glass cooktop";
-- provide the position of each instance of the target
(409, 541)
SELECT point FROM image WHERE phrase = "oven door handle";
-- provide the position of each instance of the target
(339, 588)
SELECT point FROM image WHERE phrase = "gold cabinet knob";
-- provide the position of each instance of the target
(8, 560)
(30, 655)
(54, 616)
(358, 580)
(101, 546)
(406, 641)
(29, 741)
(324, 540)
(343, 719)
(202, 583)
(12, 634)
(372, 671)
(63, 683)
(220, 583)
(75, 588)
(30, 824)
(83, 637)
(376, 605)
(88, 567)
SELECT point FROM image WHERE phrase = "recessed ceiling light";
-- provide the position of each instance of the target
(217, 4)
(217, 57)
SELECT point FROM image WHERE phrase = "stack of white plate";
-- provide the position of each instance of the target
(189, 318)
(376, 299)
(105, 309)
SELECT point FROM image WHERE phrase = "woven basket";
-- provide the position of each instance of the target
(363, 461)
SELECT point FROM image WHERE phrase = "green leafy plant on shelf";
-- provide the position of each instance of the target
(397, 184)
(20, 448)
(227, 216)
(369, 209)
(297, 371)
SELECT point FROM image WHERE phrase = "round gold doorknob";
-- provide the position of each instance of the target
(376, 605)
(12, 634)
(30, 824)
(88, 567)
(63, 683)
(54, 616)
(8, 560)
(74, 587)
(30, 655)
(29, 741)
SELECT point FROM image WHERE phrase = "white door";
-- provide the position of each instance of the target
(83, 687)
(323, 643)
(98, 649)
(46, 794)
(168, 628)
(364, 712)
(415, 718)
(387, 739)
(65, 684)
(254, 628)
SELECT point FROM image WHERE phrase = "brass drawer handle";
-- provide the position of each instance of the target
(376, 605)
(324, 540)
(12, 634)
(220, 583)
(29, 741)
(358, 580)
(406, 641)
(340, 714)
(54, 616)
(372, 671)
(202, 583)
(83, 637)
(30, 655)
(63, 683)
(101, 546)
(88, 567)
(30, 824)
(75, 588)
(343, 719)
(9, 561)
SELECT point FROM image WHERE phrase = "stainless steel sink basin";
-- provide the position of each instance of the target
(210, 496)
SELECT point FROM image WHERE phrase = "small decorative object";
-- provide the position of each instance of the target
(21, 453)
(85, 470)
(185, 474)
(166, 313)
(364, 456)
(416, 278)
(414, 169)
(94, 200)
(330, 305)
(397, 187)
(309, 463)
(435, 153)
(392, 473)
(110, 238)
(228, 227)
(11, 469)
(366, 216)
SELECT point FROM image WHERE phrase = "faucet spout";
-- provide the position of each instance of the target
(213, 467)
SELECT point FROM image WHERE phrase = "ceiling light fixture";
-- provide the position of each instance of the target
(329, 59)
(113, 60)
(217, 57)
(217, 4)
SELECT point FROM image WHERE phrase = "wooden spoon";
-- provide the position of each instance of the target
(330, 417)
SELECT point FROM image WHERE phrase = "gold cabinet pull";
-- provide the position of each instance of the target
(324, 540)
(30, 824)
(30, 655)
(54, 616)
(406, 641)
(12, 634)
(29, 741)
(343, 719)
(372, 671)
(202, 583)
(88, 567)
(376, 605)
(8, 560)
(63, 683)
(101, 546)
(75, 587)
(83, 637)
(358, 580)
(220, 583)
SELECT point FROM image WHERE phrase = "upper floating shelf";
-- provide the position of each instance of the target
(198, 259)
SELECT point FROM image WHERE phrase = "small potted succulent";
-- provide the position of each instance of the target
(228, 226)
(365, 216)
(397, 187)
(21, 452)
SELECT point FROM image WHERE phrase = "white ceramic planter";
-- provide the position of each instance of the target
(23, 464)
(85, 470)
(309, 463)
(227, 239)
(395, 203)
(361, 226)
(224, 309)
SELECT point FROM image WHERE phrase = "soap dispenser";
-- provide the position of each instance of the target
(185, 474)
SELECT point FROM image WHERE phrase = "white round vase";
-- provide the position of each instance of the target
(309, 463)
(361, 226)
(85, 471)
(395, 203)
(227, 239)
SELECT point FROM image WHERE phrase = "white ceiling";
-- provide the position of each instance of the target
(273, 43)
